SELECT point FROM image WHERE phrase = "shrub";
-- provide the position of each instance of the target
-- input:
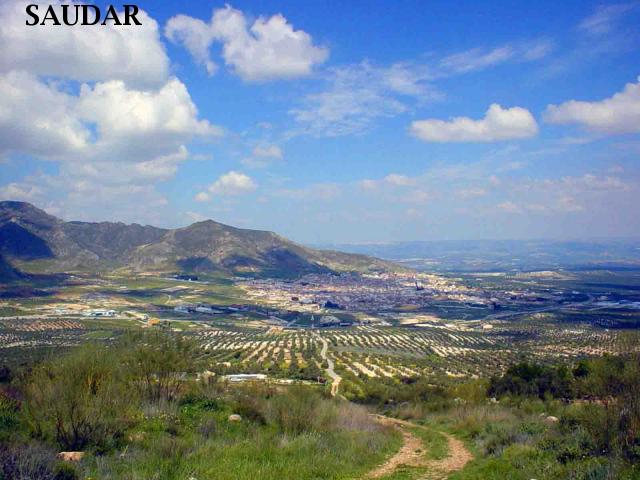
(160, 363)
(79, 400)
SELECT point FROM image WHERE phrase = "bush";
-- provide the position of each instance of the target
(525, 379)
(160, 363)
(27, 462)
(299, 410)
(79, 400)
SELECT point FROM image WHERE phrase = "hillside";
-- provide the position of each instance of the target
(34, 239)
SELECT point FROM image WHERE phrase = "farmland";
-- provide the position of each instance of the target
(377, 327)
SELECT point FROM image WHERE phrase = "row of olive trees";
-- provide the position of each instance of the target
(90, 397)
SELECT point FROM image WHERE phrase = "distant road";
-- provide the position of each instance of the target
(335, 378)
(498, 316)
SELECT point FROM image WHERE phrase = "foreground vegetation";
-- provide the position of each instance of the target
(146, 407)
(533, 421)
(138, 411)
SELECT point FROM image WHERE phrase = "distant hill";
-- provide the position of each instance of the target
(37, 241)
(7, 272)
(504, 255)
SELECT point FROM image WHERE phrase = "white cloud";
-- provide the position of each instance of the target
(497, 125)
(262, 156)
(230, 184)
(195, 216)
(391, 180)
(38, 118)
(319, 191)
(195, 35)
(399, 180)
(202, 197)
(267, 151)
(614, 115)
(416, 197)
(269, 49)
(477, 59)
(509, 207)
(603, 20)
(105, 125)
(471, 192)
(115, 137)
(358, 94)
(133, 54)
(141, 124)
(21, 191)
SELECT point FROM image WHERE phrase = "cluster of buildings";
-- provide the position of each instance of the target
(351, 292)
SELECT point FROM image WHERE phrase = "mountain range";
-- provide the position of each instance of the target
(31, 240)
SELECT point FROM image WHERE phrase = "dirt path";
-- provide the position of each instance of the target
(335, 378)
(456, 460)
(412, 453)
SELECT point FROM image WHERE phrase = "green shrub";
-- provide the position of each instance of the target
(79, 400)
(64, 471)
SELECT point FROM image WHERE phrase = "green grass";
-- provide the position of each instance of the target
(172, 447)
(434, 442)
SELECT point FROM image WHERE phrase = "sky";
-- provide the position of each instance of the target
(331, 122)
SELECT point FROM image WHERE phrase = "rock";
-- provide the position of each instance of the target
(70, 456)
(234, 417)
(551, 419)
(136, 437)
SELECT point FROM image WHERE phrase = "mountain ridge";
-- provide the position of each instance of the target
(29, 234)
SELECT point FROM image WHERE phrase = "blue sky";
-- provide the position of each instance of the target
(332, 121)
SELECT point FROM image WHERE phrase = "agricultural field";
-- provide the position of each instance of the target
(390, 327)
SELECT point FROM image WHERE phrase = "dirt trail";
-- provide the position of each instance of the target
(335, 378)
(412, 453)
(456, 460)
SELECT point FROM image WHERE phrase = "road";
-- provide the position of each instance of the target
(335, 378)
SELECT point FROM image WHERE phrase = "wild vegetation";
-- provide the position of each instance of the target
(138, 411)
(533, 421)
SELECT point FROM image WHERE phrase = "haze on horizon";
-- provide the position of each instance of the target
(359, 124)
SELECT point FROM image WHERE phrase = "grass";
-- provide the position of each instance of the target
(142, 415)
(434, 442)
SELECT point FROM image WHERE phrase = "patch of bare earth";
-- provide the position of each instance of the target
(412, 454)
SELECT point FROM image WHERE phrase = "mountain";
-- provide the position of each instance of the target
(7, 272)
(503, 255)
(32, 239)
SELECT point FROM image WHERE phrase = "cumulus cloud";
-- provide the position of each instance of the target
(38, 118)
(138, 124)
(195, 35)
(107, 122)
(230, 184)
(99, 102)
(269, 49)
(498, 124)
(614, 115)
(133, 54)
